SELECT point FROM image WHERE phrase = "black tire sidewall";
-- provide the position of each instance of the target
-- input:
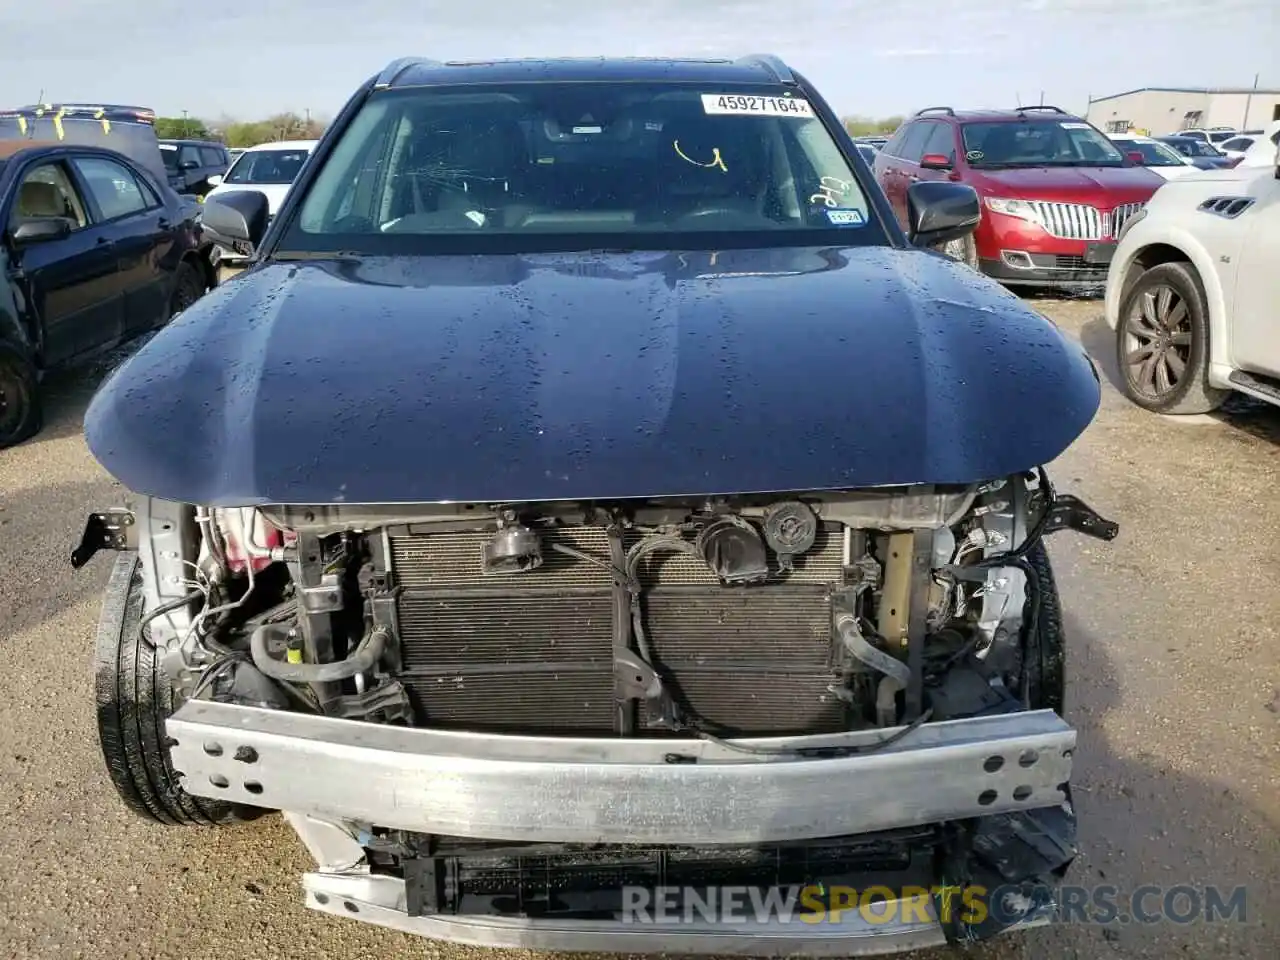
(1046, 657)
(134, 698)
(970, 258)
(187, 280)
(1186, 284)
(23, 415)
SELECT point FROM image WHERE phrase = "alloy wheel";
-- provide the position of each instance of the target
(1157, 347)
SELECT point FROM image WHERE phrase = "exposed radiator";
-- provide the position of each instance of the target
(533, 652)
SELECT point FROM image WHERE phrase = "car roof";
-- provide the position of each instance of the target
(756, 68)
(283, 145)
(10, 147)
(1013, 116)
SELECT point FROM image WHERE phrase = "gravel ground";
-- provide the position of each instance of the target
(1173, 673)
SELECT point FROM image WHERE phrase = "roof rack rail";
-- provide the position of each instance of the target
(773, 64)
(947, 110)
(396, 67)
(1043, 106)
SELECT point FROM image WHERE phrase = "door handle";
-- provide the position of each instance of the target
(163, 223)
(104, 241)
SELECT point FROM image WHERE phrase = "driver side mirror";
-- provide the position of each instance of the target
(237, 219)
(41, 230)
(941, 211)
(188, 165)
(214, 180)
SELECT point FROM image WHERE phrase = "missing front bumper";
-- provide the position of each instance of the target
(381, 900)
(619, 791)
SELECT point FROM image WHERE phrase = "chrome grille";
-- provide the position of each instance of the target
(1069, 221)
(1121, 214)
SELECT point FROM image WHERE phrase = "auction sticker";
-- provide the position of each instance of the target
(756, 106)
(846, 218)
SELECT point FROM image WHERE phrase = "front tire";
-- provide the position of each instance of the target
(1046, 649)
(962, 250)
(188, 287)
(21, 414)
(134, 698)
(1162, 342)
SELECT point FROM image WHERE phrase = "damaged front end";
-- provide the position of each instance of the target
(494, 723)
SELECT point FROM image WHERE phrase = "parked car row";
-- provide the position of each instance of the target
(97, 246)
(1193, 294)
(103, 239)
(1185, 242)
(1055, 191)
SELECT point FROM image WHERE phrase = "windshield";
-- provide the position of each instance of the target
(267, 166)
(552, 165)
(1038, 143)
(169, 155)
(1154, 154)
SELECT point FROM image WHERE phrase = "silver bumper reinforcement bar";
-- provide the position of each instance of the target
(577, 790)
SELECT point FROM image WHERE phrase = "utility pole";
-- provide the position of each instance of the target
(185, 129)
(1248, 102)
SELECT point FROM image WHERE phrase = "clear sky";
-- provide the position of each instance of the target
(872, 57)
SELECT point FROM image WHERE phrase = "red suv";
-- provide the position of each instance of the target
(1055, 191)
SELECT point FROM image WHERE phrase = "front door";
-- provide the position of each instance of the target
(904, 169)
(143, 235)
(71, 284)
(1256, 313)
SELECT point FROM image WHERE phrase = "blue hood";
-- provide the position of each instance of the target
(602, 376)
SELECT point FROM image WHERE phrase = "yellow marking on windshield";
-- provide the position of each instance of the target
(715, 161)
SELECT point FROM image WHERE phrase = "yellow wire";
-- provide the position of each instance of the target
(716, 159)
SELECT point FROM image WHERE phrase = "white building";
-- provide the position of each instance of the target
(1161, 110)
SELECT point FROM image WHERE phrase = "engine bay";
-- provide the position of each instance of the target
(746, 616)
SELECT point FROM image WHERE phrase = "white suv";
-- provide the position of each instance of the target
(1193, 293)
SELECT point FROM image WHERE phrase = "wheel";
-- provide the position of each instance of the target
(962, 249)
(21, 415)
(1046, 652)
(1162, 342)
(188, 287)
(134, 698)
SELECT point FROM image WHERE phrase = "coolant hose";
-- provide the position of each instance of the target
(362, 658)
(896, 673)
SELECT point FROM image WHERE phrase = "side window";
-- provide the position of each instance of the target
(942, 140)
(113, 186)
(211, 157)
(47, 191)
(188, 155)
(893, 144)
(913, 143)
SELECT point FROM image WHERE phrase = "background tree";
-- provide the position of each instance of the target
(869, 126)
(181, 128)
(282, 126)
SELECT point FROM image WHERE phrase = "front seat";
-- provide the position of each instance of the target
(36, 198)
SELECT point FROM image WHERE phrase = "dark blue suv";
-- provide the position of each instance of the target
(601, 511)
